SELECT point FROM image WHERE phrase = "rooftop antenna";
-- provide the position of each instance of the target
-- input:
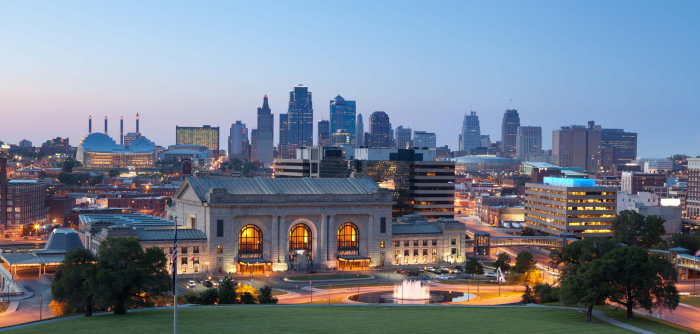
(510, 105)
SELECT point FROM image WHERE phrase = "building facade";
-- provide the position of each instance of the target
(633, 182)
(379, 130)
(404, 137)
(529, 143)
(359, 132)
(237, 134)
(277, 224)
(692, 200)
(53, 146)
(423, 139)
(343, 117)
(560, 205)
(624, 143)
(100, 151)
(23, 204)
(204, 136)
(266, 134)
(324, 133)
(300, 117)
(471, 132)
(509, 133)
(577, 146)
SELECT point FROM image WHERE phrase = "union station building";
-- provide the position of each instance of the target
(260, 225)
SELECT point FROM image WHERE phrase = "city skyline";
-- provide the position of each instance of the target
(591, 71)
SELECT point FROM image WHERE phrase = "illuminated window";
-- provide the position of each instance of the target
(300, 237)
(250, 240)
(381, 244)
(348, 238)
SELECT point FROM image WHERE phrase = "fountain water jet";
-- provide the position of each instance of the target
(411, 290)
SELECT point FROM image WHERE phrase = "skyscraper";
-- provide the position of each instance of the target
(529, 143)
(624, 142)
(237, 134)
(266, 133)
(379, 129)
(284, 130)
(324, 133)
(509, 133)
(403, 137)
(254, 145)
(359, 132)
(471, 132)
(577, 146)
(423, 139)
(343, 117)
(301, 117)
(206, 136)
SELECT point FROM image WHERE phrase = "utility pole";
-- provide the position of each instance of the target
(40, 302)
(175, 277)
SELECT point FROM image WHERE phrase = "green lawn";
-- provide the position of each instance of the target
(692, 301)
(350, 285)
(325, 319)
(643, 322)
(276, 292)
(326, 277)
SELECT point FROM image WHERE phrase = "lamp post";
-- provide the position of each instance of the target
(175, 276)
(358, 281)
(329, 293)
(40, 302)
(312, 291)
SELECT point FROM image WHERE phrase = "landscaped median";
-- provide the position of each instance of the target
(333, 277)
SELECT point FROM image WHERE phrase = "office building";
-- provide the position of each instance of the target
(284, 130)
(265, 135)
(625, 144)
(237, 139)
(254, 145)
(404, 137)
(471, 133)
(423, 139)
(419, 185)
(577, 146)
(341, 139)
(300, 117)
(529, 143)
(53, 146)
(324, 133)
(359, 132)
(485, 164)
(692, 199)
(314, 162)
(509, 133)
(578, 206)
(379, 130)
(654, 166)
(25, 144)
(23, 203)
(343, 117)
(633, 182)
(204, 136)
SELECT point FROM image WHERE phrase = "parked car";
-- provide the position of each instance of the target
(468, 276)
(420, 270)
(460, 268)
(208, 284)
(311, 271)
(442, 277)
(456, 271)
(490, 275)
(426, 278)
(438, 271)
(430, 269)
(221, 281)
(191, 285)
(450, 276)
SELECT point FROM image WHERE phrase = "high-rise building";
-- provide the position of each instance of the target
(379, 129)
(485, 141)
(206, 136)
(266, 134)
(509, 133)
(284, 130)
(588, 210)
(25, 144)
(529, 143)
(53, 146)
(343, 117)
(471, 132)
(403, 137)
(692, 199)
(624, 142)
(359, 132)
(577, 146)
(301, 117)
(324, 133)
(423, 139)
(254, 145)
(392, 138)
(237, 134)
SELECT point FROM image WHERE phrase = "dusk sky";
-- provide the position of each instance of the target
(624, 64)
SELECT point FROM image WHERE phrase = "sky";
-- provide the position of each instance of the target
(623, 64)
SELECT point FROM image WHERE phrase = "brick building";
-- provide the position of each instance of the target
(692, 199)
(150, 205)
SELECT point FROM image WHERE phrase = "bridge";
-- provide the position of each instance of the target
(482, 242)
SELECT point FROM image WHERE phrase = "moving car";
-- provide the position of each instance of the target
(490, 275)
(431, 269)
(468, 276)
(311, 271)
(191, 285)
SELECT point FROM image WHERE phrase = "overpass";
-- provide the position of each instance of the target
(482, 242)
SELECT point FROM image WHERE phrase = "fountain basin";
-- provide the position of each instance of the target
(387, 297)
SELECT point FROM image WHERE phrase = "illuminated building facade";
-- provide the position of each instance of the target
(25, 204)
(562, 205)
(204, 136)
(692, 199)
(100, 151)
(300, 117)
(343, 117)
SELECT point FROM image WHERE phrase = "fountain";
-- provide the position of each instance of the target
(411, 290)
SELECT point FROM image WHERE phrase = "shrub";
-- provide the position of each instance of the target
(209, 297)
(266, 297)
(247, 298)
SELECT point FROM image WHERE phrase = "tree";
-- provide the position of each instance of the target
(685, 240)
(474, 267)
(641, 280)
(95, 180)
(59, 308)
(586, 285)
(520, 183)
(243, 289)
(524, 262)
(113, 172)
(503, 262)
(126, 272)
(209, 297)
(71, 284)
(227, 292)
(545, 293)
(528, 232)
(528, 296)
(247, 298)
(68, 164)
(532, 277)
(634, 229)
(582, 251)
(266, 297)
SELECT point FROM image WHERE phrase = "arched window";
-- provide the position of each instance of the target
(300, 237)
(348, 237)
(250, 240)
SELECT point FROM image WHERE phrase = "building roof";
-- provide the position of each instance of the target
(292, 186)
(168, 235)
(63, 240)
(132, 219)
(415, 229)
(100, 142)
(483, 159)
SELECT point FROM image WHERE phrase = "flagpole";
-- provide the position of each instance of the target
(174, 276)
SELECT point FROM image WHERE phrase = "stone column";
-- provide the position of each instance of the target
(329, 241)
(369, 244)
(280, 260)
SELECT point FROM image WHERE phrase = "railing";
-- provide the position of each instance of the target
(500, 241)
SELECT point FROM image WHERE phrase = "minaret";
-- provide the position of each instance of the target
(105, 124)
(121, 130)
(137, 125)
(90, 125)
